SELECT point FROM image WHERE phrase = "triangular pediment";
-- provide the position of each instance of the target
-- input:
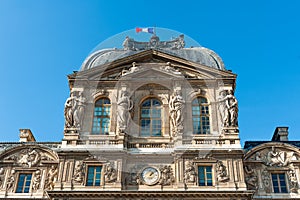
(157, 60)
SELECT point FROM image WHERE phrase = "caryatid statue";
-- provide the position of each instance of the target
(125, 104)
(74, 111)
(228, 108)
(176, 105)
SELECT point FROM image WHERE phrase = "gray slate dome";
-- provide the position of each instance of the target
(174, 47)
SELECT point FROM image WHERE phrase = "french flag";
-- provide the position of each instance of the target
(146, 30)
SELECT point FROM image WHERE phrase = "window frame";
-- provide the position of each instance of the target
(151, 118)
(24, 183)
(205, 175)
(208, 115)
(101, 117)
(94, 176)
(280, 187)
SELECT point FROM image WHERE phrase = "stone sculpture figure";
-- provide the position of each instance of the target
(222, 172)
(228, 108)
(176, 104)
(279, 158)
(36, 180)
(124, 106)
(132, 69)
(74, 111)
(11, 181)
(167, 177)
(293, 181)
(79, 110)
(190, 173)
(51, 178)
(29, 158)
(223, 109)
(251, 178)
(69, 110)
(110, 174)
(79, 172)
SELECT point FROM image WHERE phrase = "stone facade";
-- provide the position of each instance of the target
(154, 124)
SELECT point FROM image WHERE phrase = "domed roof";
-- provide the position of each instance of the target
(173, 47)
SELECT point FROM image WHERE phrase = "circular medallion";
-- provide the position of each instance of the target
(150, 175)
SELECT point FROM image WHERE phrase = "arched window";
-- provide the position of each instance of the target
(200, 116)
(150, 120)
(101, 116)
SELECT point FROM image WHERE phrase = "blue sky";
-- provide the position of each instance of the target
(41, 41)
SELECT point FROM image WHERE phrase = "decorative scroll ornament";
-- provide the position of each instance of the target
(78, 176)
(51, 178)
(110, 174)
(251, 178)
(176, 104)
(125, 104)
(222, 175)
(228, 108)
(167, 176)
(190, 173)
(36, 180)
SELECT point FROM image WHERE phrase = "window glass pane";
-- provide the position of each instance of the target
(150, 118)
(23, 185)
(101, 118)
(200, 116)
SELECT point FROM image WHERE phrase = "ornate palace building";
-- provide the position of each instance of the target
(152, 120)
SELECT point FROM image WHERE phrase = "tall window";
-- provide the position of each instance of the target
(279, 184)
(24, 183)
(205, 175)
(94, 176)
(150, 118)
(101, 116)
(200, 116)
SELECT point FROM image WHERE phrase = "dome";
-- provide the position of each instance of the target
(175, 47)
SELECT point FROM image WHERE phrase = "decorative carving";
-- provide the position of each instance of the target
(131, 70)
(2, 170)
(36, 180)
(190, 173)
(74, 111)
(170, 69)
(124, 107)
(131, 44)
(257, 156)
(221, 172)
(228, 108)
(293, 182)
(79, 111)
(110, 174)
(133, 177)
(176, 104)
(167, 177)
(51, 177)
(27, 158)
(78, 176)
(279, 158)
(11, 181)
(266, 181)
(251, 178)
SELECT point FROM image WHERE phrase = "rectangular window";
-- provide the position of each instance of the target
(279, 184)
(24, 182)
(94, 176)
(205, 175)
